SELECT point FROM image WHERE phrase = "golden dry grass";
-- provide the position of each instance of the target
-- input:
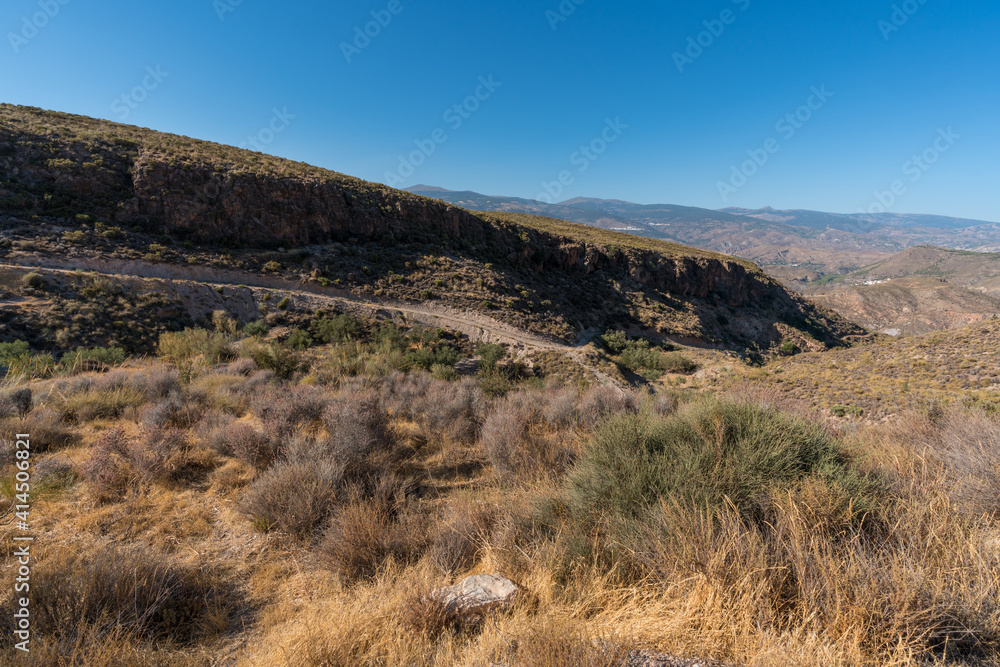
(806, 587)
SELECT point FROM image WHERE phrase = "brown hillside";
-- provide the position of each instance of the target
(59, 172)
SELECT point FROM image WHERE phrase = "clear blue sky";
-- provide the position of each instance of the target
(222, 78)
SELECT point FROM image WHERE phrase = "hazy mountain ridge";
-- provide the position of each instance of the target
(818, 241)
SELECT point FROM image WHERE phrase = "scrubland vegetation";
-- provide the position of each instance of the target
(259, 475)
(250, 500)
(891, 375)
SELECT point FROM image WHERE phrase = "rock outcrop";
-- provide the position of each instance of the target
(71, 167)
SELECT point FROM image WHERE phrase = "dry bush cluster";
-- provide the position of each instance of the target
(740, 527)
(86, 599)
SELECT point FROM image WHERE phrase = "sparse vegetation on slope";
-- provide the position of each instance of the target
(222, 509)
(138, 195)
(889, 376)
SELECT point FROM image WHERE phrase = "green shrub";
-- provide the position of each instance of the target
(255, 328)
(846, 410)
(223, 322)
(299, 340)
(675, 362)
(490, 354)
(637, 356)
(214, 346)
(283, 361)
(272, 267)
(339, 329)
(12, 352)
(19, 359)
(109, 356)
(422, 336)
(615, 342)
(33, 280)
(391, 336)
(443, 372)
(710, 454)
(354, 359)
(284, 303)
(427, 357)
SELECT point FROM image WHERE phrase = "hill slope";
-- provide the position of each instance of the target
(72, 186)
(919, 290)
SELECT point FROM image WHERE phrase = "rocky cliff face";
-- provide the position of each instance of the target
(56, 165)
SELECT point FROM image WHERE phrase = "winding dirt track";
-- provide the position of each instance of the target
(476, 326)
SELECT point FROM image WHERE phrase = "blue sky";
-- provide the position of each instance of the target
(698, 93)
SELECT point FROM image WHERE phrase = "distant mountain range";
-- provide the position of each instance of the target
(813, 241)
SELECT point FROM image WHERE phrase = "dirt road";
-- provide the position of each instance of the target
(186, 281)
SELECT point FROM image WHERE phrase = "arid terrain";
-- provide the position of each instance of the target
(917, 291)
(277, 413)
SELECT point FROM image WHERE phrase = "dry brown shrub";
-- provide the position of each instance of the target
(363, 534)
(117, 594)
(603, 401)
(46, 430)
(294, 497)
(245, 443)
(518, 444)
(462, 533)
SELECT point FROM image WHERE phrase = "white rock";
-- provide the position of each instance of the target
(478, 593)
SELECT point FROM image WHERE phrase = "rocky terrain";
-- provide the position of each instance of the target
(275, 415)
(77, 187)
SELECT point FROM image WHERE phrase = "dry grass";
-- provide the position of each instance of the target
(371, 502)
(890, 376)
(363, 535)
(98, 604)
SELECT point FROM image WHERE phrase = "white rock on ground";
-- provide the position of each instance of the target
(477, 594)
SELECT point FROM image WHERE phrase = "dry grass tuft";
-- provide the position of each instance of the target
(106, 595)
(294, 497)
(363, 535)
